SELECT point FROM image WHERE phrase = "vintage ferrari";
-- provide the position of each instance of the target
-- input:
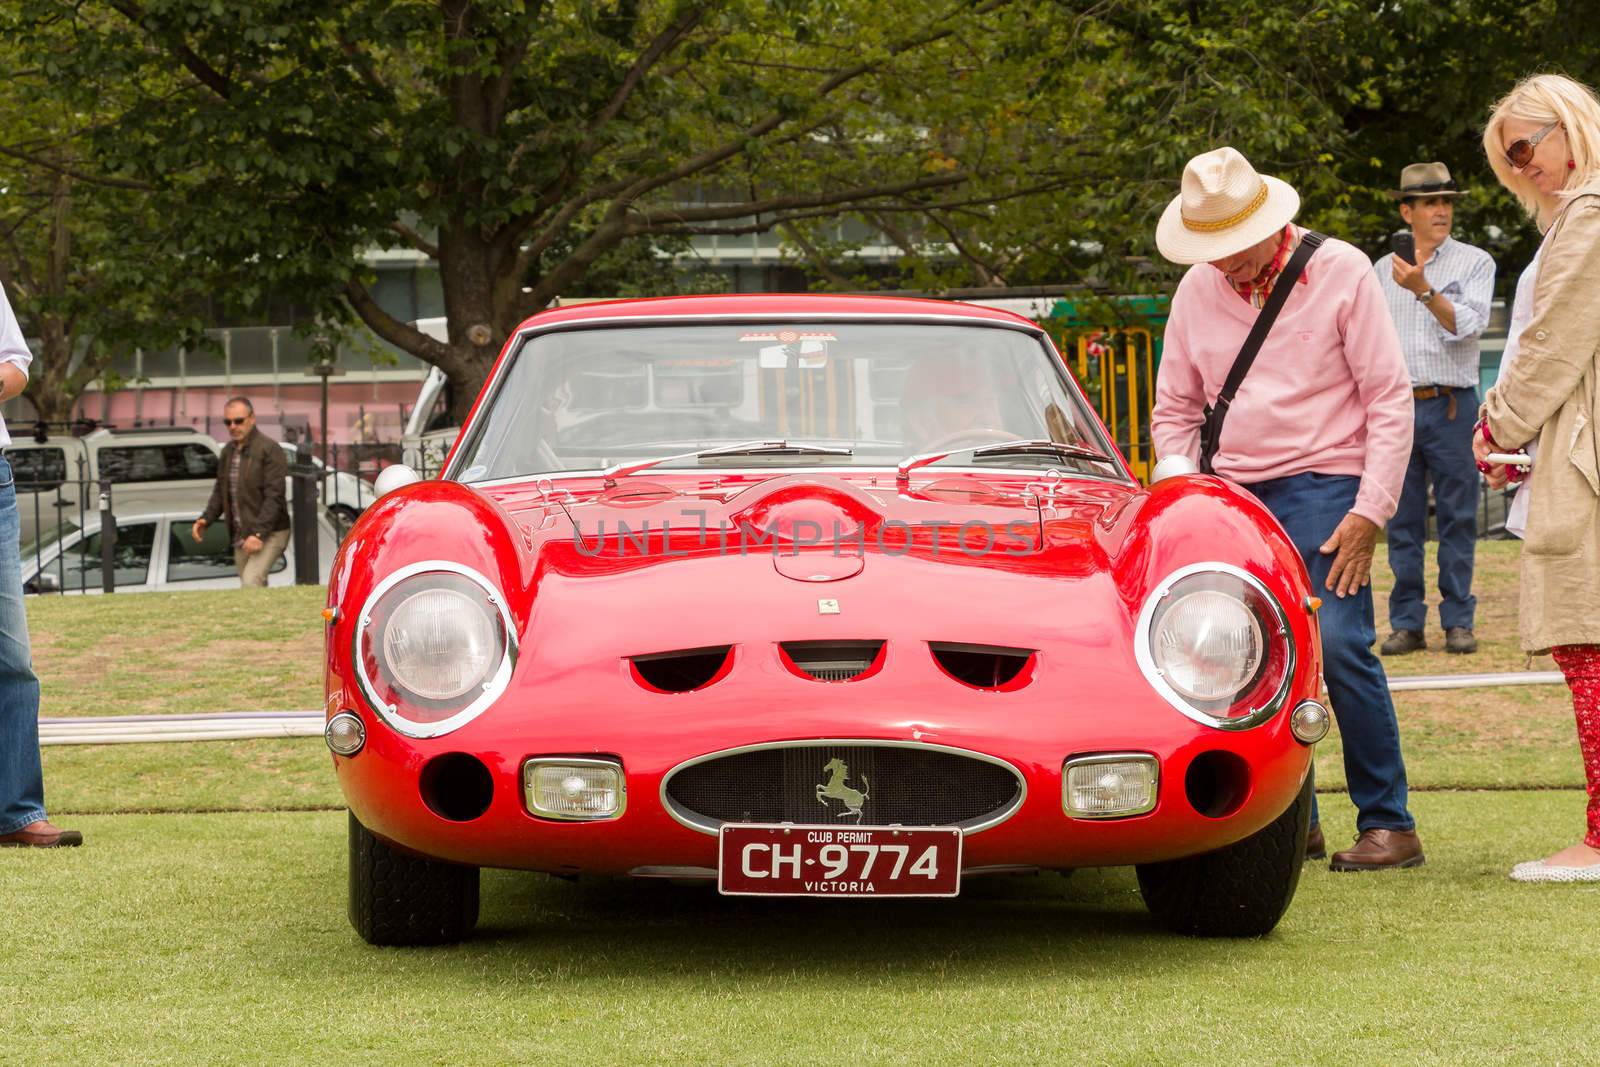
(813, 596)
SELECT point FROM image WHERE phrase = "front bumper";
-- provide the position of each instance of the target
(384, 786)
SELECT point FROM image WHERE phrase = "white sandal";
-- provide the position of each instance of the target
(1539, 871)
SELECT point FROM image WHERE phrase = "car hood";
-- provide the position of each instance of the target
(651, 566)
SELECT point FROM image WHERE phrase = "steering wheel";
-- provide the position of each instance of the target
(972, 437)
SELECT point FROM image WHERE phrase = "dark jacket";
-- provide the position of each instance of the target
(262, 508)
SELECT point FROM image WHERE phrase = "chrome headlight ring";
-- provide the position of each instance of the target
(488, 691)
(1275, 623)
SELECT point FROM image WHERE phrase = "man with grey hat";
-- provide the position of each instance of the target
(1438, 291)
(1317, 428)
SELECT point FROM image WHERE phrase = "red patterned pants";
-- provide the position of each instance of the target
(1581, 665)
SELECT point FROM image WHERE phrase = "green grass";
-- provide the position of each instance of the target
(175, 653)
(222, 938)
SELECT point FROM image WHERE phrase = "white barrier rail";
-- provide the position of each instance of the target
(247, 725)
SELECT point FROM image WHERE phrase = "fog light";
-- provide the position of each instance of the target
(574, 788)
(1109, 787)
(345, 734)
(1309, 722)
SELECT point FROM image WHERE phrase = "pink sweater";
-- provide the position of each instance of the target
(1329, 391)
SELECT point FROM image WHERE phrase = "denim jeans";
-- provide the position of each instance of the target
(21, 777)
(1310, 506)
(1441, 451)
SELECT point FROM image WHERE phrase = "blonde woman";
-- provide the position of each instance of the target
(1543, 141)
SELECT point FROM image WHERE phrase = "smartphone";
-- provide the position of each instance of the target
(1404, 245)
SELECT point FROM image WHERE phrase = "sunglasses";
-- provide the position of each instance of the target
(234, 422)
(1520, 153)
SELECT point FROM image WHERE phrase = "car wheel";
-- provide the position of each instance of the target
(344, 516)
(1238, 891)
(400, 899)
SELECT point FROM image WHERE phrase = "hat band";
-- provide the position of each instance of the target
(1430, 187)
(1232, 220)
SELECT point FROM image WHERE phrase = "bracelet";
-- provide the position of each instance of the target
(1483, 429)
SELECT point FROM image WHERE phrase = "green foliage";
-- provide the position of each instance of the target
(567, 147)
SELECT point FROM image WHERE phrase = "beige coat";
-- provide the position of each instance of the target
(1550, 393)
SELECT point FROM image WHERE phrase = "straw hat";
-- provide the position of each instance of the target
(1224, 208)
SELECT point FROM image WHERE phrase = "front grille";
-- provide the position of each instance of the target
(833, 661)
(845, 784)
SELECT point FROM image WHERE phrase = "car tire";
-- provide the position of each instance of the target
(344, 516)
(400, 899)
(1238, 891)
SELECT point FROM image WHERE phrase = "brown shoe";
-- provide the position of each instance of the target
(1460, 639)
(1316, 844)
(1402, 642)
(41, 834)
(1380, 850)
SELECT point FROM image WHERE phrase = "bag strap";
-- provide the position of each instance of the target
(1310, 241)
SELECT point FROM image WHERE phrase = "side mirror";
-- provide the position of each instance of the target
(394, 476)
(1173, 465)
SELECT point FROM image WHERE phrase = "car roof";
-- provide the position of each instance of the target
(759, 305)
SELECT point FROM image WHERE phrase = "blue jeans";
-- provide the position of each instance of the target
(21, 776)
(1442, 451)
(1309, 506)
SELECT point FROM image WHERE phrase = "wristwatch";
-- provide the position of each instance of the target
(1426, 295)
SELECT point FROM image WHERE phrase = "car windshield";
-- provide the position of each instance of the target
(837, 393)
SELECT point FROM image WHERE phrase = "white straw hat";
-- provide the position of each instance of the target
(1224, 208)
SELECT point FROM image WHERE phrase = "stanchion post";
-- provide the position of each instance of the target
(303, 473)
(108, 539)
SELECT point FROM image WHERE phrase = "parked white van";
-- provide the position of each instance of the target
(151, 469)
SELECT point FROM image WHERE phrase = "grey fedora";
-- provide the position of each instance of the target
(1425, 179)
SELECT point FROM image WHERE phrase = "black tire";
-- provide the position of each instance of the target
(343, 517)
(1238, 891)
(399, 899)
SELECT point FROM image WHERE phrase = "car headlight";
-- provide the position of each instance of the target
(434, 647)
(1216, 644)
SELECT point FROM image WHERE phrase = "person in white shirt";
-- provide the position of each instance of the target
(1440, 305)
(22, 816)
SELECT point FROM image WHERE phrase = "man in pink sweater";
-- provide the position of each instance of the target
(1319, 430)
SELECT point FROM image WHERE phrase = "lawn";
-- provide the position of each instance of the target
(204, 921)
(222, 938)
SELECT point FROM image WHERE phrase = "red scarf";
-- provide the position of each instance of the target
(1256, 290)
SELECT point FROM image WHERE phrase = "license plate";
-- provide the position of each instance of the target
(760, 859)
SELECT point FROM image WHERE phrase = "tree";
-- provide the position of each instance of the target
(82, 255)
(522, 143)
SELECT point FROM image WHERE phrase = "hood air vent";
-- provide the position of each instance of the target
(983, 666)
(682, 671)
(833, 661)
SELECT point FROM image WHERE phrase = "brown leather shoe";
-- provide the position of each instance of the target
(41, 834)
(1460, 639)
(1380, 850)
(1316, 844)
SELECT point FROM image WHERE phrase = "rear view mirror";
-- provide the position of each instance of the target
(805, 354)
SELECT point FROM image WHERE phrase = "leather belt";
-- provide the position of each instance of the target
(1428, 392)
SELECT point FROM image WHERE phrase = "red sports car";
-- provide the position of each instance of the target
(813, 595)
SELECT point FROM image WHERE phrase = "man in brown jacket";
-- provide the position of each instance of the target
(249, 494)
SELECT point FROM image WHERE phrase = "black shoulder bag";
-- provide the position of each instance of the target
(1211, 428)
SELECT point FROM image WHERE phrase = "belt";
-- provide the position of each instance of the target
(1428, 392)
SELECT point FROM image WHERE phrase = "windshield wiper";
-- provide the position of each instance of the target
(743, 448)
(1004, 448)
